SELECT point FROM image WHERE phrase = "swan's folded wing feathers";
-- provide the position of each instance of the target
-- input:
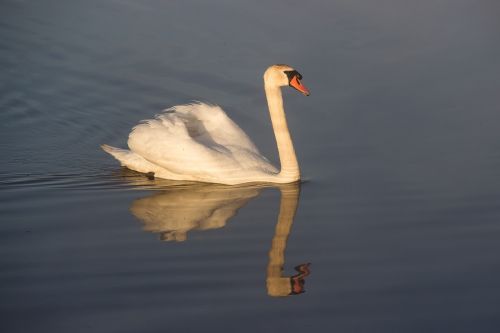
(210, 121)
(165, 141)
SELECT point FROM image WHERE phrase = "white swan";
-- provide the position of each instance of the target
(198, 142)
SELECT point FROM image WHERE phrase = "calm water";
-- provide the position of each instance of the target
(398, 216)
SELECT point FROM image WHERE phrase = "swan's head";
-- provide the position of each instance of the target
(284, 75)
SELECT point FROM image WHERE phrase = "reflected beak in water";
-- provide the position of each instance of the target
(297, 281)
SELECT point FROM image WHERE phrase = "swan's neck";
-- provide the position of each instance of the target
(289, 166)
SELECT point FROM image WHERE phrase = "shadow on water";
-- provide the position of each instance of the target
(182, 207)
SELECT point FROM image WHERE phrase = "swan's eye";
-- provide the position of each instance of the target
(293, 74)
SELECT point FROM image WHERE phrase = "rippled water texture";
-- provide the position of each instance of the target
(396, 227)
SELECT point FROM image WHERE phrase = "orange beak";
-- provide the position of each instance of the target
(295, 82)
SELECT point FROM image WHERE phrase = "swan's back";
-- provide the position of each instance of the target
(198, 142)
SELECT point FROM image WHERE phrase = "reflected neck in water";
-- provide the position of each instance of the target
(277, 284)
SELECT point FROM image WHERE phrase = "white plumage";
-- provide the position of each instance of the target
(193, 142)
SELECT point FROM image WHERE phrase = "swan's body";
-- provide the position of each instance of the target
(195, 142)
(199, 142)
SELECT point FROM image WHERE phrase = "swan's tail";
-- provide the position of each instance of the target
(135, 162)
(122, 155)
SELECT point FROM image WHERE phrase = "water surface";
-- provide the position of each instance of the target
(398, 214)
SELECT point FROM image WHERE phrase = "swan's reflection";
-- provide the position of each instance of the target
(179, 209)
(175, 211)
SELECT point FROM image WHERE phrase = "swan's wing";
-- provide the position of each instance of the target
(197, 140)
(209, 124)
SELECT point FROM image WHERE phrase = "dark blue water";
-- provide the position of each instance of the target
(398, 216)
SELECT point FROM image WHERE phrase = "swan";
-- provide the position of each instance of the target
(199, 142)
